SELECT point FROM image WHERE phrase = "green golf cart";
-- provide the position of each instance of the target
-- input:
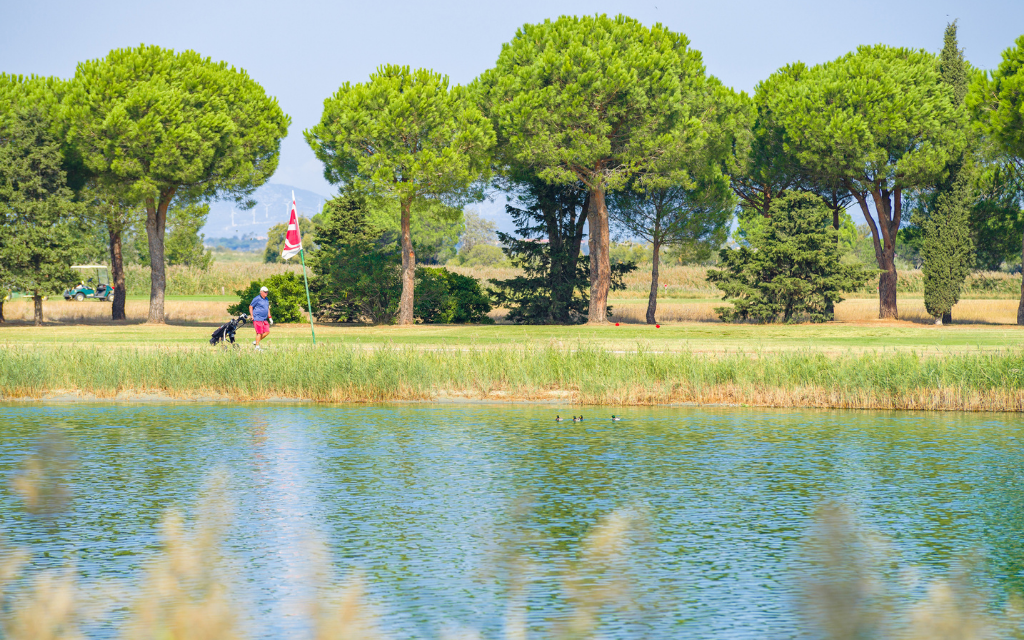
(95, 284)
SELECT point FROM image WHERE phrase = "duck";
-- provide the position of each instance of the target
(579, 419)
(615, 419)
(559, 418)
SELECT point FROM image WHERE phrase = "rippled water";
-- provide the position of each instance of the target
(429, 501)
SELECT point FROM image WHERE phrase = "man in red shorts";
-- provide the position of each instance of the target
(259, 311)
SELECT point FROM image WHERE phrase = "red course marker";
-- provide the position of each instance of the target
(616, 324)
(657, 326)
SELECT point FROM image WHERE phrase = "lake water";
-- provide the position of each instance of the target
(434, 504)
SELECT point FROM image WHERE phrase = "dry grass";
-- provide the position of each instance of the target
(486, 275)
(857, 310)
(691, 282)
(219, 279)
(94, 312)
(667, 312)
(913, 310)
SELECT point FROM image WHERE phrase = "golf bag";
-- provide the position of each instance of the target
(226, 332)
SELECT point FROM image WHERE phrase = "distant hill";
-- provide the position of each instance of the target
(273, 202)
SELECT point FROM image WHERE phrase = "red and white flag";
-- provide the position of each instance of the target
(292, 239)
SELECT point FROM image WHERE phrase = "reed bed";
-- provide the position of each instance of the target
(977, 381)
(985, 311)
(680, 281)
(667, 312)
(224, 278)
(220, 279)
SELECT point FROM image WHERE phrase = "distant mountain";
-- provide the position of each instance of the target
(273, 202)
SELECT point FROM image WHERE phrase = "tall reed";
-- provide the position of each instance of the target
(220, 279)
(982, 381)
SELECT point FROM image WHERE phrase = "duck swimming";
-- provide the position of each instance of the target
(579, 419)
(559, 418)
(614, 419)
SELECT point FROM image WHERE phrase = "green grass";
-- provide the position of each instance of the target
(696, 337)
(577, 372)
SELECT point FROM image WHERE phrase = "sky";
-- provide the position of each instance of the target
(301, 51)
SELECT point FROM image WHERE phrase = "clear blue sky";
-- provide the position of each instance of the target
(302, 51)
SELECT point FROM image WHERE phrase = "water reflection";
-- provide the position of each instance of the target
(442, 507)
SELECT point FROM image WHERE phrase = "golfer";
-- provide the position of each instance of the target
(259, 311)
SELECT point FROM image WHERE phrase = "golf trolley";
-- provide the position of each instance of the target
(226, 332)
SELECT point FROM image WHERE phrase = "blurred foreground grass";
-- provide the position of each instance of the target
(189, 591)
(579, 373)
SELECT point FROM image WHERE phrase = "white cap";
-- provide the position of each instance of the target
(265, 289)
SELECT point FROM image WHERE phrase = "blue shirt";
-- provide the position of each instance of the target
(260, 308)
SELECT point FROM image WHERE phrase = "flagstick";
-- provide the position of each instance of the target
(309, 305)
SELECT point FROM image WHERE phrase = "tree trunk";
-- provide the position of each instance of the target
(947, 318)
(117, 271)
(600, 265)
(652, 302)
(1020, 307)
(405, 306)
(887, 286)
(558, 312)
(884, 236)
(38, 300)
(156, 223)
(2, 320)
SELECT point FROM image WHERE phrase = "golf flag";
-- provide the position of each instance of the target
(292, 246)
(292, 239)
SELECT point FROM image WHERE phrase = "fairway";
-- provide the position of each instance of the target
(694, 336)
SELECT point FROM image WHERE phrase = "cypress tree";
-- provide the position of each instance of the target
(947, 249)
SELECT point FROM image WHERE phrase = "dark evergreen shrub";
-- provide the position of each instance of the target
(791, 267)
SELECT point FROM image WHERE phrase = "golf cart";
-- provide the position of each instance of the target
(17, 293)
(95, 284)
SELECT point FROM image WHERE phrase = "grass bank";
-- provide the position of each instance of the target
(990, 381)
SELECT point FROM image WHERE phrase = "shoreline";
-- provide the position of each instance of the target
(924, 400)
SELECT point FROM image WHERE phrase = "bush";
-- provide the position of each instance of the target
(287, 297)
(791, 268)
(444, 297)
(481, 255)
(624, 252)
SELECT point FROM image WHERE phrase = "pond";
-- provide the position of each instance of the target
(443, 508)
